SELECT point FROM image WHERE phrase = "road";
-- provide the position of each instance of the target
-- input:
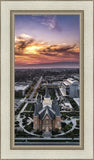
(67, 122)
(31, 96)
(35, 88)
(52, 139)
(26, 100)
(57, 95)
(46, 143)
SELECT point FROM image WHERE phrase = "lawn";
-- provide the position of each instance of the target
(30, 107)
(19, 109)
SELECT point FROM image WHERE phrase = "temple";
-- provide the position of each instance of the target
(47, 114)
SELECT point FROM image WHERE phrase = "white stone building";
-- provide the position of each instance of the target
(70, 87)
(20, 88)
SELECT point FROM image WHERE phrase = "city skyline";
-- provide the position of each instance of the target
(46, 41)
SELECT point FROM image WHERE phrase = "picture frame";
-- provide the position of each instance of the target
(12, 14)
(8, 9)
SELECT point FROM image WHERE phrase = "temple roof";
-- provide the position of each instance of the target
(52, 112)
(47, 111)
(38, 107)
(56, 107)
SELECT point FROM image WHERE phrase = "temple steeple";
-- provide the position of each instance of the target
(47, 99)
(47, 95)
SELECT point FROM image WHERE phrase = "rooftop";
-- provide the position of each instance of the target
(21, 87)
(70, 81)
(68, 105)
(76, 100)
(66, 83)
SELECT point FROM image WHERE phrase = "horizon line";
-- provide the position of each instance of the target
(47, 67)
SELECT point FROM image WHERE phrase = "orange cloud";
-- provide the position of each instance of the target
(30, 51)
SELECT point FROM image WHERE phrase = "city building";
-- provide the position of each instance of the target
(21, 88)
(66, 106)
(76, 77)
(47, 114)
(70, 87)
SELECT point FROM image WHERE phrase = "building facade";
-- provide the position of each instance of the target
(21, 88)
(70, 87)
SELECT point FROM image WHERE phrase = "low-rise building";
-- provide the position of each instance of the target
(66, 106)
(21, 88)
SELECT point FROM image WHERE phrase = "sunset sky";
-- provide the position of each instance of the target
(43, 41)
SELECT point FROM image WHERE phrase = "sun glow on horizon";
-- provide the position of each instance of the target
(32, 49)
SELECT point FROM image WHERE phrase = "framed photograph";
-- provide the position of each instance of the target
(47, 79)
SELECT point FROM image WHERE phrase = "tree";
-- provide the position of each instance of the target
(55, 131)
(72, 135)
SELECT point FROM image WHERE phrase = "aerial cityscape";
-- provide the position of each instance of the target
(47, 81)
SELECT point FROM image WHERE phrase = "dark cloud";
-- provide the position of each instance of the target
(59, 50)
(24, 43)
(48, 54)
(18, 53)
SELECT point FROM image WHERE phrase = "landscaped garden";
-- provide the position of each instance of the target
(41, 91)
